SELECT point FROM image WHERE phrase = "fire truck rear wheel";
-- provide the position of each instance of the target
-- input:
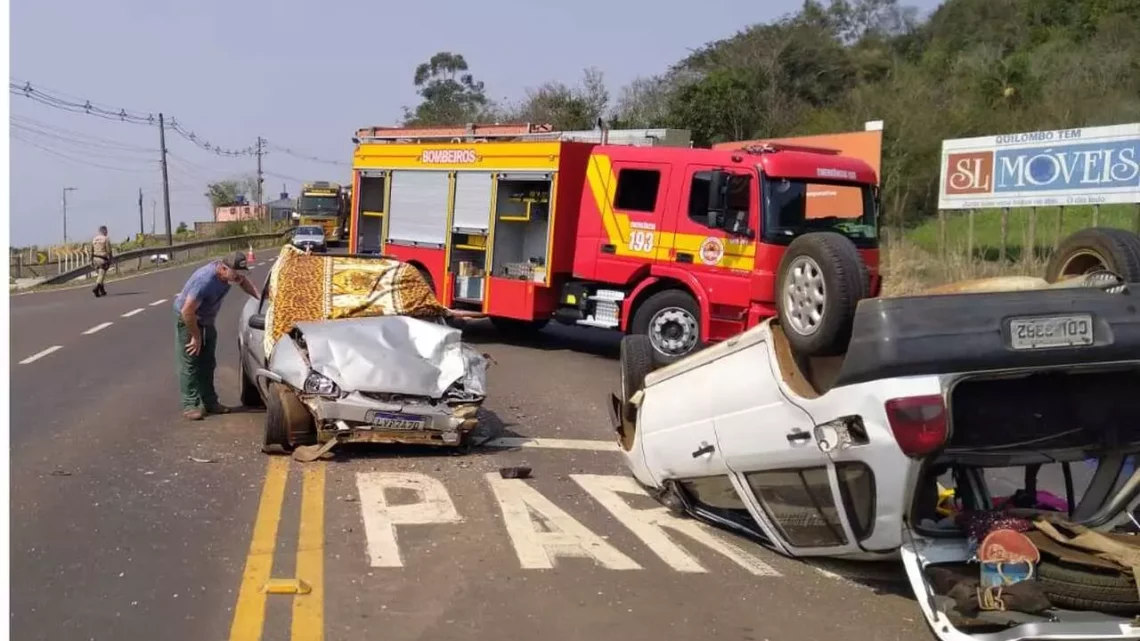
(820, 282)
(672, 321)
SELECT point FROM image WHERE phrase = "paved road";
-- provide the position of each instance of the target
(119, 531)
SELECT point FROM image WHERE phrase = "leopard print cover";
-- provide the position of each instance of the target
(305, 287)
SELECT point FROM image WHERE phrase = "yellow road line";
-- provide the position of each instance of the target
(308, 609)
(249, 614)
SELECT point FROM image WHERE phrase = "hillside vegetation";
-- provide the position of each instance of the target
(972, 67)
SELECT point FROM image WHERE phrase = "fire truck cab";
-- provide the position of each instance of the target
(680, 244)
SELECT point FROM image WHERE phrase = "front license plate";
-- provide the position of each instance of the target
(394, 421)
(1074, 330)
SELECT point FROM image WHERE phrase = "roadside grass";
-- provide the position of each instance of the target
(913, 262)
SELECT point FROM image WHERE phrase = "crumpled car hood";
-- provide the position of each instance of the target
(386, 354)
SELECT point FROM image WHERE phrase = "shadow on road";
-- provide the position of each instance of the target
(553, 337)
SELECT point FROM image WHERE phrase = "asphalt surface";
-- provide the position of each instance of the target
(128, 522)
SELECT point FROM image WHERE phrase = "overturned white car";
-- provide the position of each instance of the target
(851, 455)
(356, 348)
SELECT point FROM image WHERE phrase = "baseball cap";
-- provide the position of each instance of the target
(236, 261)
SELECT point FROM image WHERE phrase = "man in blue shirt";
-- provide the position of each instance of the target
(195, 309)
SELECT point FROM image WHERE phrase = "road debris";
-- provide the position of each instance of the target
(514, 472)
(201, 460)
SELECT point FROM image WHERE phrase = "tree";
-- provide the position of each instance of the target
(182, 228)
(225, 192)
(450, 95)
(565, 107)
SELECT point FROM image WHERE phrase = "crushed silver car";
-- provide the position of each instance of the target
(385, 370)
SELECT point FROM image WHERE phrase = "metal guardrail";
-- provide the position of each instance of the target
(78, 263)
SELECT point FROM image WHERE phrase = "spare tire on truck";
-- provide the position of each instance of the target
(820, 281)
(1096, 249)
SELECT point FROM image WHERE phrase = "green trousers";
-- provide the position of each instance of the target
(196, 373)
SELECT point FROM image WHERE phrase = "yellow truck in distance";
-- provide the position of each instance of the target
(322, 203)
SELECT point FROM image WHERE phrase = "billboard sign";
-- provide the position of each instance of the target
(826, 199)
(1088, 166)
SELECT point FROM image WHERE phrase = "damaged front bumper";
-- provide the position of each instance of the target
(356, 418)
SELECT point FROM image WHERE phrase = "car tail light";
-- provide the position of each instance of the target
(918, 423)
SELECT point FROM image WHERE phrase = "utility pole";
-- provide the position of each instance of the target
(260, 181)
(153, 206)
(165, 180)
(142, 225)
(65, 190)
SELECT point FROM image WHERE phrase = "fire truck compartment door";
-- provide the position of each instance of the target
(472, 201)
(417, 211)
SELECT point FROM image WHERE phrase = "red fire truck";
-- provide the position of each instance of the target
(680, 244)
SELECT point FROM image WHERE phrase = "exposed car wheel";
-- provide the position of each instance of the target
(672, 321)
(819, 284)
(636, 364)
(1097, 249)
(1085, 589)
(516, 327)
(287, 421)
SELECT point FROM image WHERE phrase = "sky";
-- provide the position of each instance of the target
(304, 75)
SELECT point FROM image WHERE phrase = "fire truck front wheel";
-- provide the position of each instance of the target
(672, 321)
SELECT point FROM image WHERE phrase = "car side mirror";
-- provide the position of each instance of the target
(257, 321)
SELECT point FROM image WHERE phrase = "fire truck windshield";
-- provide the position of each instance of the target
(318, 205)
(795, 206)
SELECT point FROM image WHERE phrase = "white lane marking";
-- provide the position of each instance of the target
(38, 355)
(649, 526)
(432, 505)
(100, 326)
(158, 302)
(560, 536)
(133, 312)
(553, 443)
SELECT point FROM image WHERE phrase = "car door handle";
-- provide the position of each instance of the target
(684, 257)
(704, 449)
(798, 435)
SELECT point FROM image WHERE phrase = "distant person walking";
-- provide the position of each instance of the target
(100, 260)
(195, 309)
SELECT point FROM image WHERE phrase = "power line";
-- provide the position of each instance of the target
(296, 154)
(91, 108)
(63, 101)
(79, 161)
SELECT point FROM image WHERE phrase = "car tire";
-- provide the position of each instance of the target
(517, 327)
(1081, 588)
(636, 362)
(1096, 249)
(636, 358)
(287, 421)
(671, 320)
(250, 395)
(819, 284)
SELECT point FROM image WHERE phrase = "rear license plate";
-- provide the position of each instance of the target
(1074, 330)
(395, 421)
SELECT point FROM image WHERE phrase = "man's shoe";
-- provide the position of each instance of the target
(193, 414)
(218, 409)
(96, 292)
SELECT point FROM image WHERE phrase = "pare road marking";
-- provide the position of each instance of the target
(134, 311)
(540, 532)
(158, 302)
(432, 505)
